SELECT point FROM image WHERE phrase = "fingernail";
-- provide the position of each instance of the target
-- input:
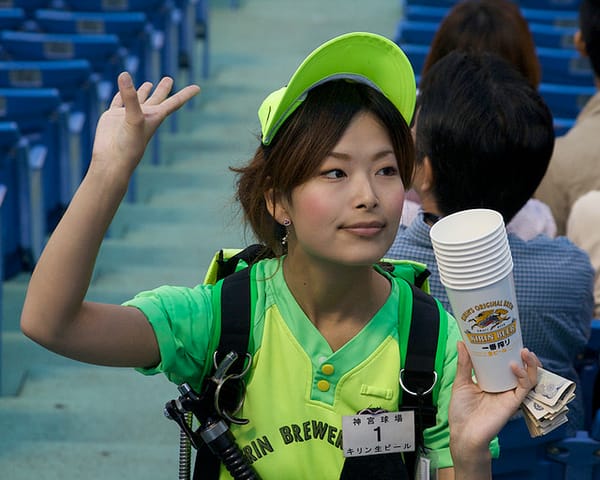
(127, 79)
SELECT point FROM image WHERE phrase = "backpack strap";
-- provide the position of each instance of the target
(419, 376)
(236, 325)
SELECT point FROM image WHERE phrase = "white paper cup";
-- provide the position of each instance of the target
(471, 247)
(489, 322)
(467, 228)
(475, 266)
(468, 263)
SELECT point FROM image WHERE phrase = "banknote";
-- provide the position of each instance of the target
(545, 407)
(552, 389)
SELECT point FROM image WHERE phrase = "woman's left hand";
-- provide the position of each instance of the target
(475, 416)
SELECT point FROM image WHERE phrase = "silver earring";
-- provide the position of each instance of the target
(286, 223)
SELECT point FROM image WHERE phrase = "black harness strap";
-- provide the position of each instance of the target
(235, 334)
(419, 370)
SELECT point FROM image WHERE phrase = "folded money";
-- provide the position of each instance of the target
(545, 406)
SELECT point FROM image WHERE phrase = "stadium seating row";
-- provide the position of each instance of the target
(58, 64)
(567, 78)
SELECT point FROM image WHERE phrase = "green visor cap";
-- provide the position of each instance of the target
(359, 56)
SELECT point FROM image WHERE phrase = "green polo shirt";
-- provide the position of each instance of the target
(298, 388)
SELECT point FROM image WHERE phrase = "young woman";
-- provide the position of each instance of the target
(324, 194)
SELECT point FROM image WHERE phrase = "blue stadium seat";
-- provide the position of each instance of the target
(523, 457)
(21, 171)
(588, 367)
(424, 13)
(562, 125)
(27, 6)
(421, 23)
(132, 29)
(9, 179)
(166, 20)
(12, 18)
(162, 14)
(569, 5)
(42, 118)
(566, 101)
(77, 88)
(552, 36)
(435, 11)
(565, 67)
(578, 456)
(428, 3)
(558, 18)
(416, 54)
(103, 52)
(415, 32)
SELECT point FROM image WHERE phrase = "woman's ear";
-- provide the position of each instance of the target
(275, 206)
(579, 43)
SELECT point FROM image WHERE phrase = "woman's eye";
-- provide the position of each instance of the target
(389, 171)
(334, 173)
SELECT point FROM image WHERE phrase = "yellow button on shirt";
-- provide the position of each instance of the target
(323, 385)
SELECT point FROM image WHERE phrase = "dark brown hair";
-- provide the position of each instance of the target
(304, 141)
(495, 26)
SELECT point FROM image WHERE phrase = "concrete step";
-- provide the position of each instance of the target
(84, 421)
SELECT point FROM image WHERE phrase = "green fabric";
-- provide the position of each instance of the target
(283, 390)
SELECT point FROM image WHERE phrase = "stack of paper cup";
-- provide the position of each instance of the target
(475, 265)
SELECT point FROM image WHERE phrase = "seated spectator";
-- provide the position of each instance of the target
(496, 26)
(489, 147)
(573, 169)
(586, 212)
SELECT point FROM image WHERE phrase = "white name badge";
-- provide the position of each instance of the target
(378, 433)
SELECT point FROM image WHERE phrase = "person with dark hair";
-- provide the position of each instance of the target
(574, 168)
(499, 27)
(323, 194)
(488, 148)
(487, 26)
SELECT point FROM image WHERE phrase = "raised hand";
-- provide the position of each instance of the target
(126, 127)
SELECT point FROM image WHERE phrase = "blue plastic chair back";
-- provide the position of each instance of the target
(566, 101)
(523, 457)
(416, 54)
(552, 36)
(77, 86)
(131, 28)
(569, 5)
(10, 238)
(12, 18)
(425, 13)
(588, 368)
(558, 18)
(415, 32)
(115, 5)
(565, 66)
(39, 115)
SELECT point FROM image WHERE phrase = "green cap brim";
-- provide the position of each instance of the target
(359, 56)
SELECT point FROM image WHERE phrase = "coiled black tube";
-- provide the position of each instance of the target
(220, 441)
